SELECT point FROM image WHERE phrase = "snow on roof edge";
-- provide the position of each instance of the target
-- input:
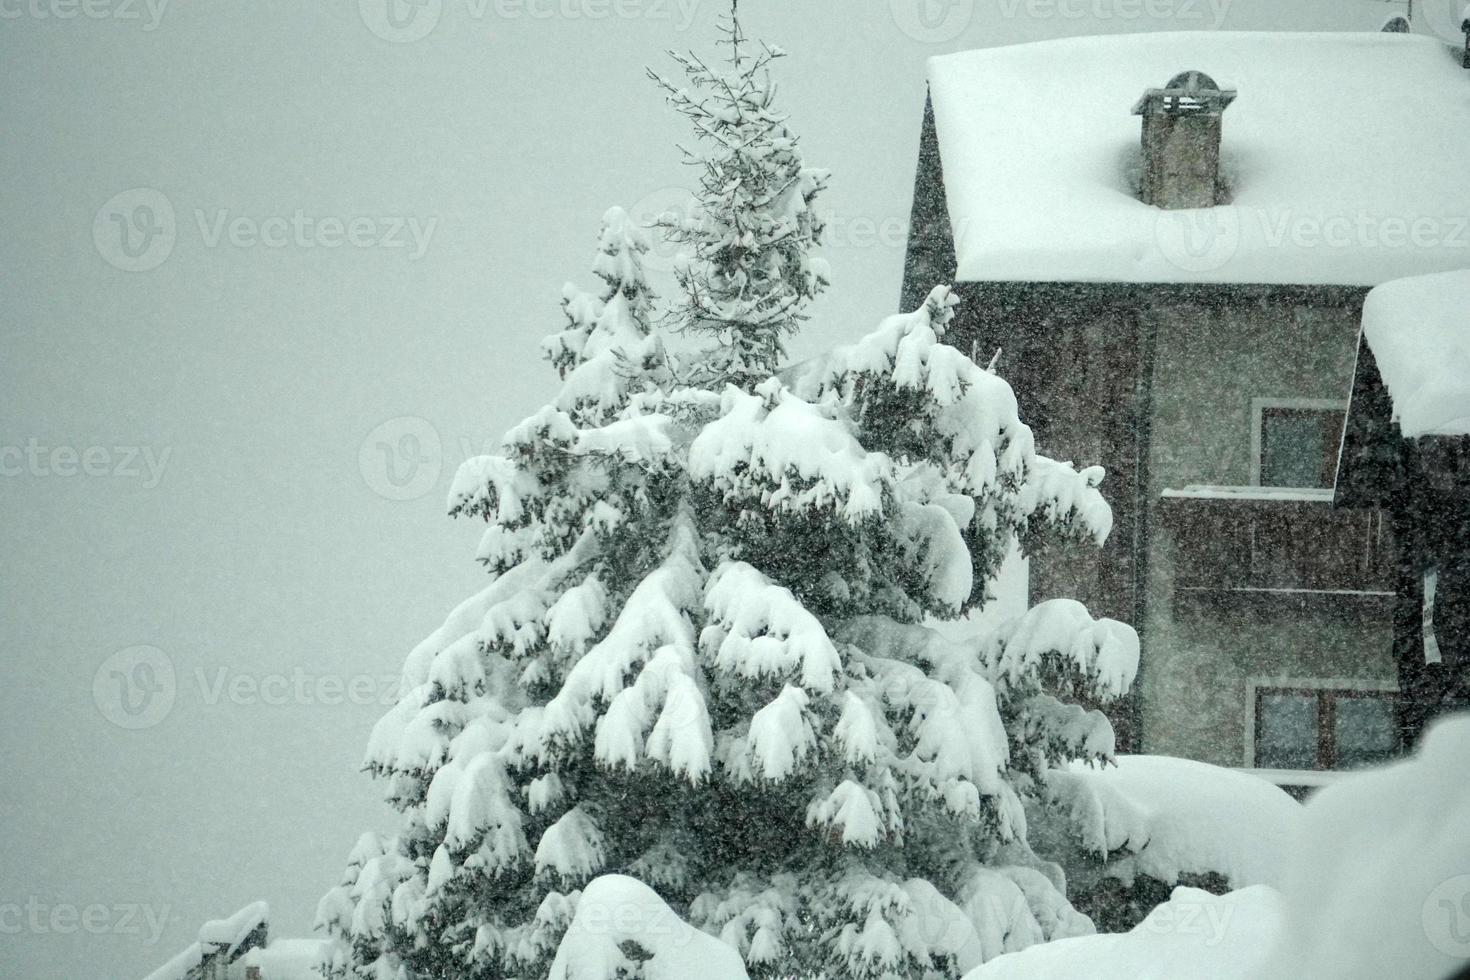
(1419, 331)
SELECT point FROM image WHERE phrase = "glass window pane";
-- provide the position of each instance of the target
(1365, 731)
(1288, 732)
(1293, 443)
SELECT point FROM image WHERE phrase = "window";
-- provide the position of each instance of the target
(1297, 441)
(1311, 727)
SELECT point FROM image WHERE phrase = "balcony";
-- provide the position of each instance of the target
(1268, 540)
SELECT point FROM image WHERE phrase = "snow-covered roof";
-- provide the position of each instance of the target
(282, 959)
(1419, 332)
(1345, 154)
(232, 931)
(217, 936)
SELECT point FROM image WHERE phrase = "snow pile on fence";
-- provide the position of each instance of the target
(1376, 884)
(1344, 154)
(231, 932)
(1163, 817)
(288, 959)
(1195, 491)
(1419, 331)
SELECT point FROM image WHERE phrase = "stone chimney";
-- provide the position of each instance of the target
(1181, 142)
(1465, 29)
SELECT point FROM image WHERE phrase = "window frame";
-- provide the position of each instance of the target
(1259, 408)
(1327, 690)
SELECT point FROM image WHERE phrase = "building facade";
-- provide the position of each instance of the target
(1159, 303)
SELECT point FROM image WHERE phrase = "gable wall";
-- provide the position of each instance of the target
(1155, 384)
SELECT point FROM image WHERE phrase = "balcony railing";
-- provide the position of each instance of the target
(1273, 540)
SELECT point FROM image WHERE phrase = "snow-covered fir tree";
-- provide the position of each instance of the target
(751, 233)
(701, 659)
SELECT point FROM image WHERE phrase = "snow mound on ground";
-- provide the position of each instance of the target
(1171, 816)
(620, 921)
(1419, 330)
(1194, 935)
(1378, 884)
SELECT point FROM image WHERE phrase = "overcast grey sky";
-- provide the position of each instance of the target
(271, 270)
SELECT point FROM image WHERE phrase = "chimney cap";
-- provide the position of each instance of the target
(1187, 93)
(1192, 81)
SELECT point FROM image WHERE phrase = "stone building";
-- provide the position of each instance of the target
(1168, 239)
